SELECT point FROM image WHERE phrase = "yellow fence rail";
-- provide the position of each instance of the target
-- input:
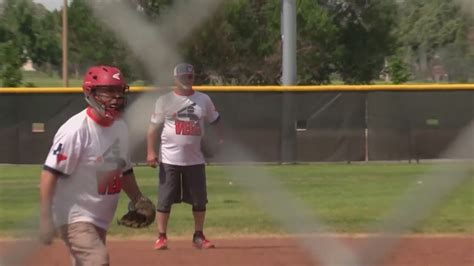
(276, 88)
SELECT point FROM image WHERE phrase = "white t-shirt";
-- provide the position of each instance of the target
(183, 118)
(90, 158)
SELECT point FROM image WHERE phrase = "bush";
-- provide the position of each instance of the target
(398, 70)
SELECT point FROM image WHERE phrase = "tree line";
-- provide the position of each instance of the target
(352, 41)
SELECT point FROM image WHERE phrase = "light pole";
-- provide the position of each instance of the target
(64, 46)
(288, 35)
(288, 38)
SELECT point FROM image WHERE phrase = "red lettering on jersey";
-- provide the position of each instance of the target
(101, 188)
(187, 128)
(109, 183)
(178, 127)
(115, 186)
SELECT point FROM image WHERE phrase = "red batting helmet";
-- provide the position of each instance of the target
(105, 77)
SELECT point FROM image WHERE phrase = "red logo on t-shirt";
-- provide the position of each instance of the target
(59, 156)
(187, 128)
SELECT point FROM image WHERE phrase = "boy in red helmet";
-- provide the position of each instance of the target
(87, 167)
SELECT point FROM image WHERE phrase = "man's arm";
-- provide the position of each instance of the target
(218, 130)
(151, 138)
(130, 186)
(47, 187)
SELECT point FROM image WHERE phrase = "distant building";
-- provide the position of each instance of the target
(28, 66)
(438, 71)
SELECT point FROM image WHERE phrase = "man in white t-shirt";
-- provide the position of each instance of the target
(181, 115)
(87, 167)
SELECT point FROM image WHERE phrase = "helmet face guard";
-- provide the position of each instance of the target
(105, 90)
(109, 102)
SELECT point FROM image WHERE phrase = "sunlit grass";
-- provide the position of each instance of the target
(346, 197)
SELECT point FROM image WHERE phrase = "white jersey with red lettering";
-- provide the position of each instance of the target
(183, 118)
(89, 157)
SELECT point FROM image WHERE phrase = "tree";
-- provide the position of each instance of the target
(10, 72)
(46, 46)
(151, 8)
(27, 36)
(365, 37)
(237, 45)
(398, 69)
(318, 43)
(434, 29)
(13, 41)
(241, 44)
(91, 44)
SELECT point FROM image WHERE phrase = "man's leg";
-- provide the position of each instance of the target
(169, 192)
(199, 240)
(162, 221)
(86, 243)
(195, 193)
(199, 217)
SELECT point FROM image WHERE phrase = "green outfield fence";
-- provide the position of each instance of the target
(323, 123)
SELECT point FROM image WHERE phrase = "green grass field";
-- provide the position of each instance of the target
(346, 197)
(39, 79)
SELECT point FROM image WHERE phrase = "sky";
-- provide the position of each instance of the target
(51, 4)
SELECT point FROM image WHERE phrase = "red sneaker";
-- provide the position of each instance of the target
(161, 244)
(201, 242)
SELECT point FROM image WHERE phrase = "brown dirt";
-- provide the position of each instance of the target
(411, 251)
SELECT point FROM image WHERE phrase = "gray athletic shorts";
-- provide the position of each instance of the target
(182, 184)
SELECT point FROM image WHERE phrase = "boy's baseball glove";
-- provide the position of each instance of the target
(139, 215)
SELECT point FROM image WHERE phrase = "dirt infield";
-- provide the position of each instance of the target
(412, 251)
